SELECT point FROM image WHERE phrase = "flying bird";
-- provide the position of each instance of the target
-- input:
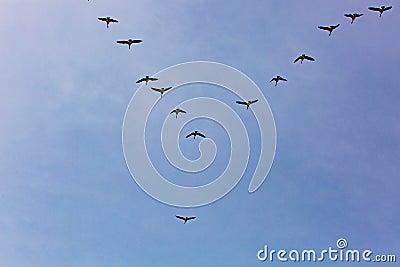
(146, 79)
(353, 16)
(185, 219)
(195, 133)
(247, 103)
(108, 20)
(380, 9)
(162, 90)
(129, 42)
(277, 79)
(177, 111)
(329, 28)
(302, 57)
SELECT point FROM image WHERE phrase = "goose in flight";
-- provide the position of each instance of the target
(108, 20)
(353, 16)
(380, 9)
(162, 90)
(129, 42)
(329, 28)
(302, 57)
(177, 111)
(195, 133)
(277, 79)
(185, 219)
(146, 79)
(247, 103)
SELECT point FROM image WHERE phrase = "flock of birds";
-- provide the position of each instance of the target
(301, 58)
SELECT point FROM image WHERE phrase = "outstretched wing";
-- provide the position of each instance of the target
(180, 217)
(123, 42)
(335, 26)
(136, 41)
(323, 28)
(348, 15)
(102, 19)
(297, 59)
(168, 88)
(113, 20)
(189, 135)
(191, 218)
(273, 79)
(156, 89)
(202, 135)
(387, 8)
(282, 79)
(141, 80)
(153, 79)
(253, 101)
(309, 58)
(241, 102)
(181, 110)
(374, 8)
(357, 15)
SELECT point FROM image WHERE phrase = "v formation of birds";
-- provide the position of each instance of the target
(301, 58)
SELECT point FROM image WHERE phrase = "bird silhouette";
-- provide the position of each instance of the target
(380, 9)
(194, 134)
(162, 90)
(277, 79)
(146, 79)
(247, 103)
(329, 28)
(129, 42)
(302, 57)
(353, 16)
(177, 111)
(108, 20)
(185, 219)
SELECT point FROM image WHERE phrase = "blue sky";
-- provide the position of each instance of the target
(67, 197)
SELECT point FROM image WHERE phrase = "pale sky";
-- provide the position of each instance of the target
(67, 197)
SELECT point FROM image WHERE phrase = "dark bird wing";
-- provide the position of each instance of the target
(168, 88)
(241, 102)
(173, 111)
(202, 135)
(181, 110)
(387, 8)
(335, 26)
(253, 101)
(153, 79)
(156, 89)
(309, 58)
(191, 218)
(180, 217)
(136, 41)
(323, 28)
(123, 42)
(297, 59)
(358, 15)
(102, 19)
(189, 135)
(282, 79)
(113, 20)
(348, 15)
(273, 79)
(141, 80)
(374, 8)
